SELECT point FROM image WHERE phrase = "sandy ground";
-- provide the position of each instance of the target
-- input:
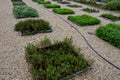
(13, 65)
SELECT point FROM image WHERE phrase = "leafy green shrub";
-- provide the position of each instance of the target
(110, 16)
(55, 61)
(112, 5)
(74, 6)
(43, 2)
(90, 10)
(30, 27)
(19, 3)
(84, 20)
(110, 33)
(24, 11)
(51, 5)
(63, 11)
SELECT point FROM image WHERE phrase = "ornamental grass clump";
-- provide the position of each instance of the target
(110, 33)
(110, 16)
(51, 6)
(63, 11)
(55, 60)
(84, 20)
(24, 11)
(30, 27)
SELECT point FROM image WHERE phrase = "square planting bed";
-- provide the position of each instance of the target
(54, 61)
(74, 5)
(51, 6)
(19, 4)
(43, 2)
(24, 11)
(64, 2)
(31, 27)
(110, 33)
(90, 10)
(110, 17)
(63, 11)
(84, 20)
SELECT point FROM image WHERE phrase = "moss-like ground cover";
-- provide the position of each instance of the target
(63, 11)
(84, 20)
(51, 6)
(110, 16)
(110, 33)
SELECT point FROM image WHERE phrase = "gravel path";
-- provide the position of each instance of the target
(12, 62)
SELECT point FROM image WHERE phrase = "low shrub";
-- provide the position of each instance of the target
(55, 61)
(43, 2)
(112, 5)
(74, 6)
(19, 4)
(84, 20)
(24, 11)
(110, 16)
(30, 27)
(110, 33)
(90, 10)
(51, 5)
(63, 11)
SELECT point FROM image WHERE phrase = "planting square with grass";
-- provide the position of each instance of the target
(43, 2)
(19, 4)
(110, 16)
(63, 11)
(110, 33)
(54, 61)
(74, 5)
(90, 10)
(24, 11)
(84, 20)
(31, 27)
(64, 2)
(51, 6)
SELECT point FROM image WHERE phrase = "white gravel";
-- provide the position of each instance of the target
(13, 65)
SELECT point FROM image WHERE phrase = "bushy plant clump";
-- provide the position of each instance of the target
(30, 27)
(63, 11)
(51, 5)
(90, 10)
(84, 20)
(55, 61)
(74, 6)
(110, 33)
(43, 2)
(24, 11)
(19, 4)
(112, 5)
(110, 16)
